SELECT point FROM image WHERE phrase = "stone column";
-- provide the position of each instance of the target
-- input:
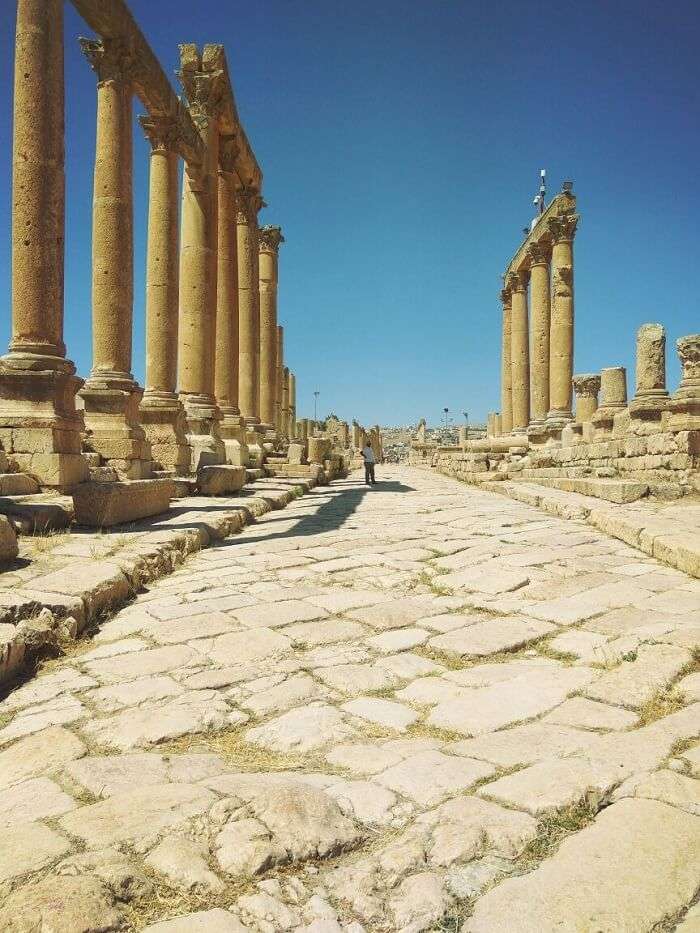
(613, 388)
(285, 402)
(249, 203)
(506, 365)
(232, 426)
(586, 388)
(111, 395)
(280, 381)
(490, 423)
(292, 402)
(270, 239)
(539, 340)
(199, 268)
(498, 424)
(161, 412)
(520, 352)
(651, 396)
(685, 402)
(561, 332)
(39, 426)
(356, 436)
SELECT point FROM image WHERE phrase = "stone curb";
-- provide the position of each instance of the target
(61, 603)
(651, 534)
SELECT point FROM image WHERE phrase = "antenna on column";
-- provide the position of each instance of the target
(538, 201)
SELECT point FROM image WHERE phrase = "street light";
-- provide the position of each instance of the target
(316, 395)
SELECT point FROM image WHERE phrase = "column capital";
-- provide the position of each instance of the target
(517, 281)
(539, 253)
(228, 153)
(562, 229)
(689, 354)
(249, 202)
(110, 59)
(586, 384)
(205, 90)
(162, 131)
(270, 238)
(506, 295)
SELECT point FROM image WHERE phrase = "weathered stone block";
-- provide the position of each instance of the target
(220, 479)
(8, 541)
(101, 504)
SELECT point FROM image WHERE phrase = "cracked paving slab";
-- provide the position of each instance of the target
(419, 706)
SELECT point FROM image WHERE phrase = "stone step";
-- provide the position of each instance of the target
(620, 491)
(99, 505)
(38, 513)
(221, 479)
(254, 473)
(17, 484)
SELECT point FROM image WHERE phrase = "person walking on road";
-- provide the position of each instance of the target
(368, 457)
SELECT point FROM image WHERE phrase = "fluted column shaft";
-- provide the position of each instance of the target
(520, 352)
(292, 405)
(506, 371)
(561, 333)
(270, 239)
(226, 365)
(280, 423)
(285, 401)
(540, 313)
(249, 203)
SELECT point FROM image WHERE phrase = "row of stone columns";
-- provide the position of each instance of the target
(537, 335)
(215, 374)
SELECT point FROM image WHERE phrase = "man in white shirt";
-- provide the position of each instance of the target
(368, 457)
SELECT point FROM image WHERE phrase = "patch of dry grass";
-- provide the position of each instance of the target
(165, 902)
(39, 543)
(552, 830)
(422, 730)
(662, 703)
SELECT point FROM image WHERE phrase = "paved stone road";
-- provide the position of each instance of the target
(415, 707)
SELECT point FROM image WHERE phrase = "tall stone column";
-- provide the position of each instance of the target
(498, 424)
(280, 423)
(285, 402)
(39, 426)
(539, 341)
(520, 352)
(613, 389)
(292, 402)
(685, 402)
(232, 425)
(199, 269)
(561, 333)
(356, 438)
(270, 239)
(651, 396)
(506, 365)
(161, 412)
(111, 394)
(249, 203)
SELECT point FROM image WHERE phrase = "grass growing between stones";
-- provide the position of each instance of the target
(165, 902)
(662, 703)
(39, 543)
(453, 918)
(552, 830)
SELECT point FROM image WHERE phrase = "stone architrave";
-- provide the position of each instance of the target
(520, 351)
(232, 426)
(538, 254)
(561, 332)
(199, 265)
(279, 358)
(39, 426)
(506, 366)
(269, 241)
(685, 402)
(249, 203)
(651, 396)
(111, 395)
(613, 398)
(161, 412)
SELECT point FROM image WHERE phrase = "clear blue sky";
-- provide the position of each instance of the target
(401, 142)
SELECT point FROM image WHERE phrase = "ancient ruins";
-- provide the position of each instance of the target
(243, 691)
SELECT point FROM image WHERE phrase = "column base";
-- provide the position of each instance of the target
(112, 426)
(203, 418)
(40, 429)
(537, 432)
(233, 433)
(163, 422)
(254, 440)
(649, 413)
(684, 410)
(557, 420)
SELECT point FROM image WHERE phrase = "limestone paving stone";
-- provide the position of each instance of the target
(431, 776)
(273, 615)
(37, 754)
(35, 799)
(63, 905)
(490, 636)
(523, 745)
(477, 579)
(292, 692)
(184, 863)
(382, 712)
(133, 692)
(47, 688)
(634, 682)
(216, 920)
(243, 647)
(56, 712)
(29, 847)
(397, 640)
(395, 613)
(143, 663)
(324, 632)
(357, 678)
(588, 714)
(367, 802)
(664, 785)
(302, 730)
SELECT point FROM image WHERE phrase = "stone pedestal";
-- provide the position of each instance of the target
(539, 342)
(110, 395)
(161, 413)
(40, 428)
(684, 404)
(520, 352)
(586, 388)
(506, 372)
(561, 332)
(613, 388)
(651, 396)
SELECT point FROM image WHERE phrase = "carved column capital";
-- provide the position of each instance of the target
(562, 229)
(587, 384)
(270, 238)
(506, 296)
(689, 354)
(249, 202)
(110, 59)
(228, 153)
(162, 131)
(205, 90)
(539, 254)
(517, 281)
